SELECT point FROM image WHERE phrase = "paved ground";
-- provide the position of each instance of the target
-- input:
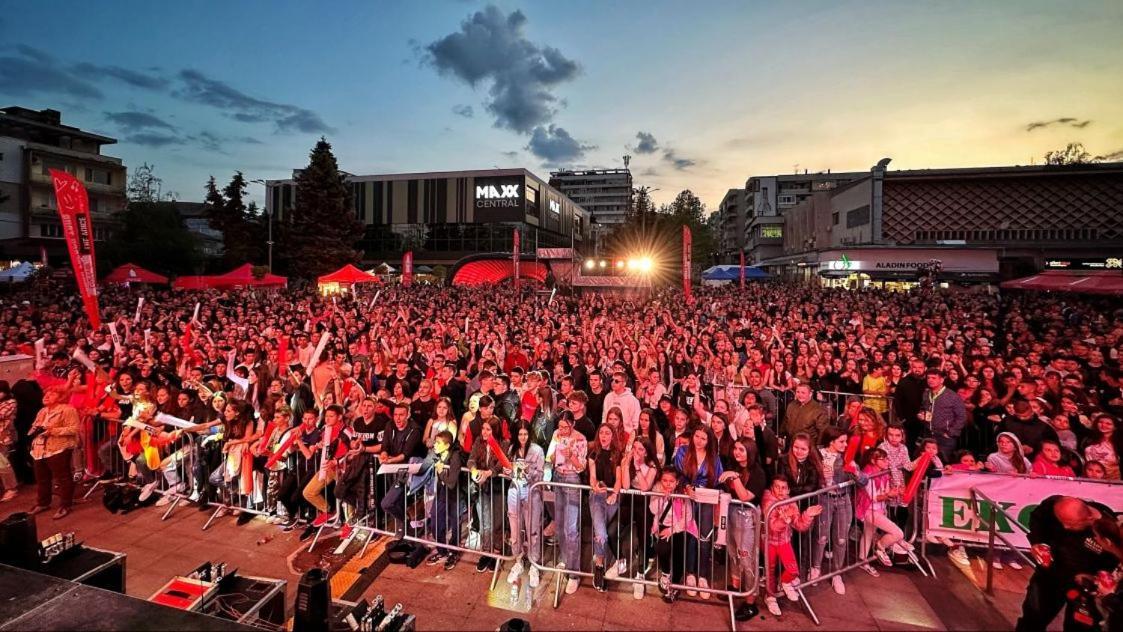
(898, 600)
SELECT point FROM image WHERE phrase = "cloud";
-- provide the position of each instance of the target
(511, 155)
(554, 145)
(492, 47)
(131, 77)
(32, 72)
(647, 143)
(1112, 157)
(463, 110)
(152, 139)
(676, 161)
(199, 88)
(131, 122)
(1065, 121)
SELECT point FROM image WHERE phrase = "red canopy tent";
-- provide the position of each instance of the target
(1091, 282)
(242, 276)
(132, 273)
(348, 275)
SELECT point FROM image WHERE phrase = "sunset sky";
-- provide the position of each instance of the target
(701, 94)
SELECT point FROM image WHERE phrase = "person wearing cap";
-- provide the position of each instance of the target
(943, 413)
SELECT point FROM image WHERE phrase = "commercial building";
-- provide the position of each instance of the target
(195, 221)
(445, 216)
(731, 226)
(975, 224)
(31, 143)
(766, 200)
(605, 193)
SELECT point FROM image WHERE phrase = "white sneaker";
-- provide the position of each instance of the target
(638, 588)
(691, 581)
(772, 605)
(1014, 565)
(959, 556)
(790, 591)
(704, 584)
(516, 571)
(882, 556)
(871, 570)
(839, 587)
(416, 524)
(147, 491)
(194, 497)
(572, 585)
(534, 577)
(166, 499)
(814, 574)
(617, 570)
(996, 565)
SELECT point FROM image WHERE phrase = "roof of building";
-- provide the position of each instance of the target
(47, 121)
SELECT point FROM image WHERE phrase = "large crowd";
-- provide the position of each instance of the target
(287, 398)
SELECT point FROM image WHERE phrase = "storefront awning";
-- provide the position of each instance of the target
(1092, 282)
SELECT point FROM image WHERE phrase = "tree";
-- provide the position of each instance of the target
(145, 186)
(152, 235)
(1073, 154)
(322, 229)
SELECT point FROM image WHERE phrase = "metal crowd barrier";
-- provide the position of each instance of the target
(829, 544)
(987, 518)
(723, 553)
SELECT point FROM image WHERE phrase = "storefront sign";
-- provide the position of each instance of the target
(951, 513)
(1108, 263)
(498, 193)
(891, 260)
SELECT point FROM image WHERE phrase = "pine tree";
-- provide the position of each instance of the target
(216, 205)
(323, 229)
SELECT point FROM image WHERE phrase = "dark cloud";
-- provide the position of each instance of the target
(463, 110)
(511, 155)
(249, 140)
(1112, 157)
(154, 139)
(31, 72)
(131, 122)
(491, 46)
(1067, 121)
(131, 77)
(554, 145)
(240, 106)
(676, 161)
(646, 143)
(208, 141)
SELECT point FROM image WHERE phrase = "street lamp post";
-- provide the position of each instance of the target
(268, 223)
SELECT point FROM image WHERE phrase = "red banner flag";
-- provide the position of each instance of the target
(742, 269)
(515, 258)
(78, 229)
(407, 268)
(686, 245)
(283, 353)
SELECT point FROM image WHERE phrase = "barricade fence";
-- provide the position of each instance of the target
(672, 542)
(815, 537)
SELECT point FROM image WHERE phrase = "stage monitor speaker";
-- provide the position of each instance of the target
(19, 541)
(313, 602)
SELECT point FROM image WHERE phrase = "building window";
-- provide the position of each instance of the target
(834, 218)
(786, 200)
(858, 217)
(772, 232)
(53, 231)
(98, 176)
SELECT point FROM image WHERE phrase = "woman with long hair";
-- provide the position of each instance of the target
(1008, 459)
(868, 433)
(648, 430)
(700, 467)
(638, 470)
(1105, 444)
(605, 481)
(442, 420)
(524, 509)
(745, 481)
(542, 423)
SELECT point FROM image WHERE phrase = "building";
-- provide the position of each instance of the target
(605, 193)
(196, 222)
(445, 216)
(31, 143)
(976, 224)
(766, 199)
(731, 226)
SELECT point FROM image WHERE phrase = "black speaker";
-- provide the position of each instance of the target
(19, 541)
(313, 601)
(515, 625)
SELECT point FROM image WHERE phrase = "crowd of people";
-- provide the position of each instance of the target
(292, 401)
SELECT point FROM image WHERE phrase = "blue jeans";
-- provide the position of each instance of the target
(567, 513)
(699, 556)
(834, 529)
(446, 518)
(602, 514)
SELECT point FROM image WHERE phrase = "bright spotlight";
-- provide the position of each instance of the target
(632, 264)
(645, 264)
(590, 264)
(619, 264)
(603, 263)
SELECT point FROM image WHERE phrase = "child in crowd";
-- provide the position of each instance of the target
(870, 509)
(780, 555)
(1095, 469)
(1048, 461)
(674, 530)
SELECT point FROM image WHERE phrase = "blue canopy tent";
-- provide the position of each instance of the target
(718, 275)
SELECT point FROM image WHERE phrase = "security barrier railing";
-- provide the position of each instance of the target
(704, 545)
(815, 537)
(989, 519)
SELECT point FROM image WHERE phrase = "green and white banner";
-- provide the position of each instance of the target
(950, 512)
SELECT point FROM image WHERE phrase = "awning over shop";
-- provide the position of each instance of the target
(1088, 282)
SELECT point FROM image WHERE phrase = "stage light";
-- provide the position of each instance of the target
(619, 264)
(603, 263)
(645, 264)
(633, 264)
(590, 264)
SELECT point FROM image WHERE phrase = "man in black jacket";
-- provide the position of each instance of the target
(1062, 540)
(908, 399)
(444, 460)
